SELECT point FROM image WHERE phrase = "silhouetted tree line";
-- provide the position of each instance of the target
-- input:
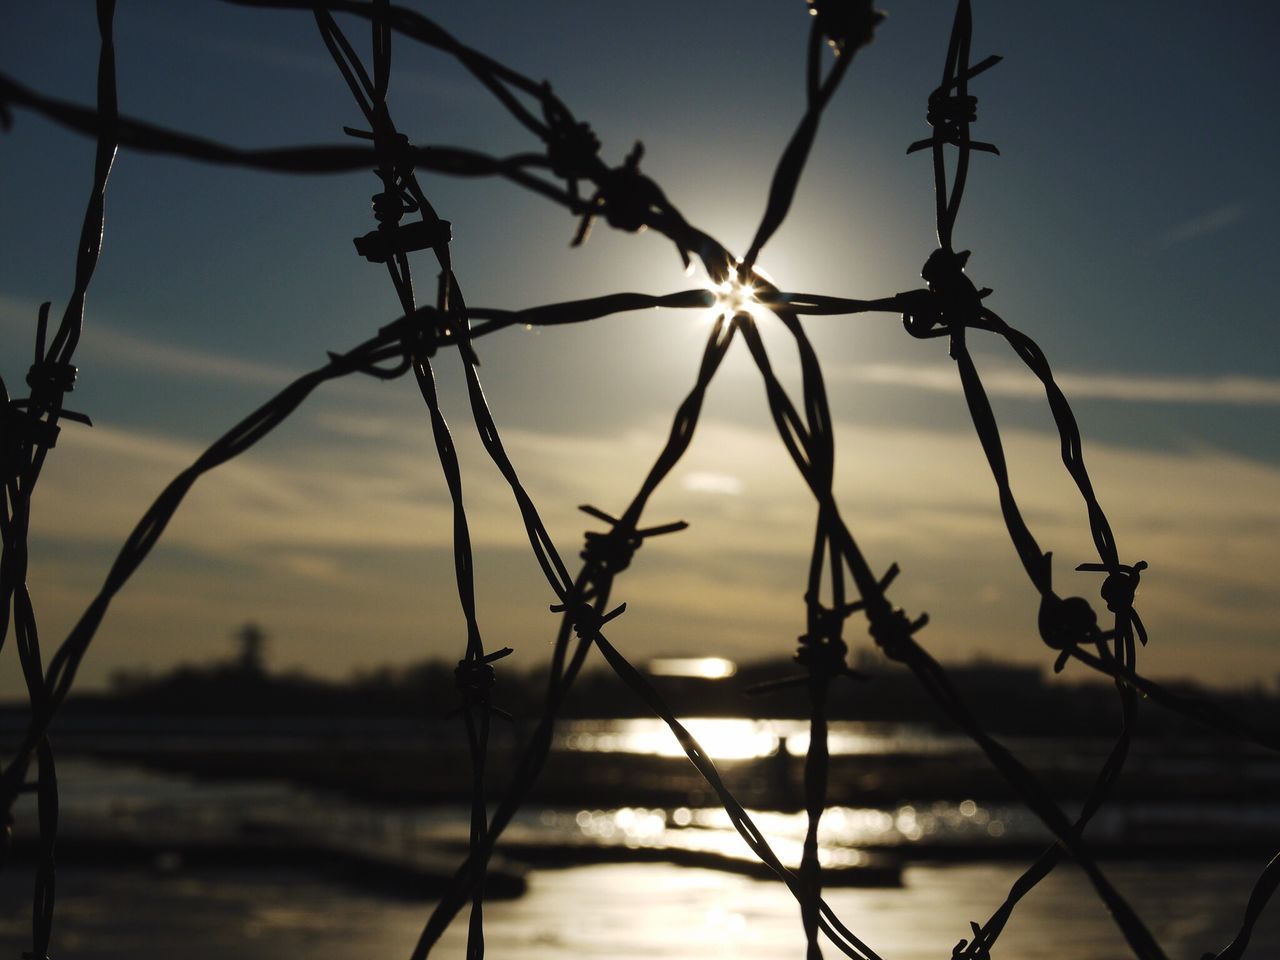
(1013, 700)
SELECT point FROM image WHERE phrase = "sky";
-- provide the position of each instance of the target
(1126, 225)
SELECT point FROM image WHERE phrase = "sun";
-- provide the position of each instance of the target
(734, 297)
(737, 294)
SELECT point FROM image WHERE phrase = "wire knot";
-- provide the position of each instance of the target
(392, 239)
(847, 24)
(1118, 591)
(424, 337)
(475, 676)
(626, 197)
(1065, 624)
(395, 154)
(973, 949)
(392, 147)
(572, 146)
(389, 207)
(892, 632)
(947, 112)
(823, 655)
(950, 113)
(22, 423)
(586, 620)
(613, 552)
(822, 650)
(420, 333)
(921, 314)
(951, 303)
(52, 375)
(961, 301)
(1120, 585)
(474, 679)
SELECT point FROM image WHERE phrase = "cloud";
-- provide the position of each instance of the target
(319, 539)
(1021, 385)
(370, 427)
(276, 496)
(1201, 226)
(126, 351)
(709, 481)
(136, 353)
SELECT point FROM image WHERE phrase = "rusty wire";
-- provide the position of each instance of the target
(949, 305)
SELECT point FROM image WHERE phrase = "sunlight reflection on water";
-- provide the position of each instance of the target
(616, 912)
(710, 830)
(651, 910)
(730, 738)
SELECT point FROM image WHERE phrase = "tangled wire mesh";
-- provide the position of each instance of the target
(566, 168)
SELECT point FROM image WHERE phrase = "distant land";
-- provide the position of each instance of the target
(1006, 699)
(394, 735)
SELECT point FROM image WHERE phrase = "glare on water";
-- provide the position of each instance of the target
(730, 738)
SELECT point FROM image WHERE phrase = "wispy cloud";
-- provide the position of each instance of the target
(1201, 226)
(329, 543)
(440, 86)
(362, 427)
(125, 350)
(109, 345)
(1019, 384)
(711, 481)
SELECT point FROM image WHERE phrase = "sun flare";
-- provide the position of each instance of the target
(734, 296)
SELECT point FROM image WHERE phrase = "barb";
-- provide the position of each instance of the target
(28, 431)
(390, 244)
(950, 115)
(566, 167)
(66, 660)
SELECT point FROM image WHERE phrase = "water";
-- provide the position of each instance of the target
(650, 910)
(615, 912)
(732, 738)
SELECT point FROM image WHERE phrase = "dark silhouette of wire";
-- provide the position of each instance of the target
(567, 169)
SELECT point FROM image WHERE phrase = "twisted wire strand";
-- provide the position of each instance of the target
(1200, 709)
(985, 937)
(588, 581)
(960, 306)
(1121, 665)
(781, 194)
(1258, 898)
(475, 673)
(786, 176)
(933, 677)
(51, 376)
(681, 436)
(66, 659)
(809, 440)
(324, 159)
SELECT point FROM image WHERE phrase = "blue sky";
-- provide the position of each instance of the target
(1127, 226)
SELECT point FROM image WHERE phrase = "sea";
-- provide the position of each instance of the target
(161, 906)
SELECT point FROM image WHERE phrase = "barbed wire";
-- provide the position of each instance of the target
(29, 429)
(563, 169)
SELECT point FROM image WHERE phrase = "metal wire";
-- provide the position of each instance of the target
(567, 159)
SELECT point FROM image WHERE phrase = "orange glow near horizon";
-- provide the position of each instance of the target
(704, 668)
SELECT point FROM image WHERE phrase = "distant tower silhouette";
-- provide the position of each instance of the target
(251, 640)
